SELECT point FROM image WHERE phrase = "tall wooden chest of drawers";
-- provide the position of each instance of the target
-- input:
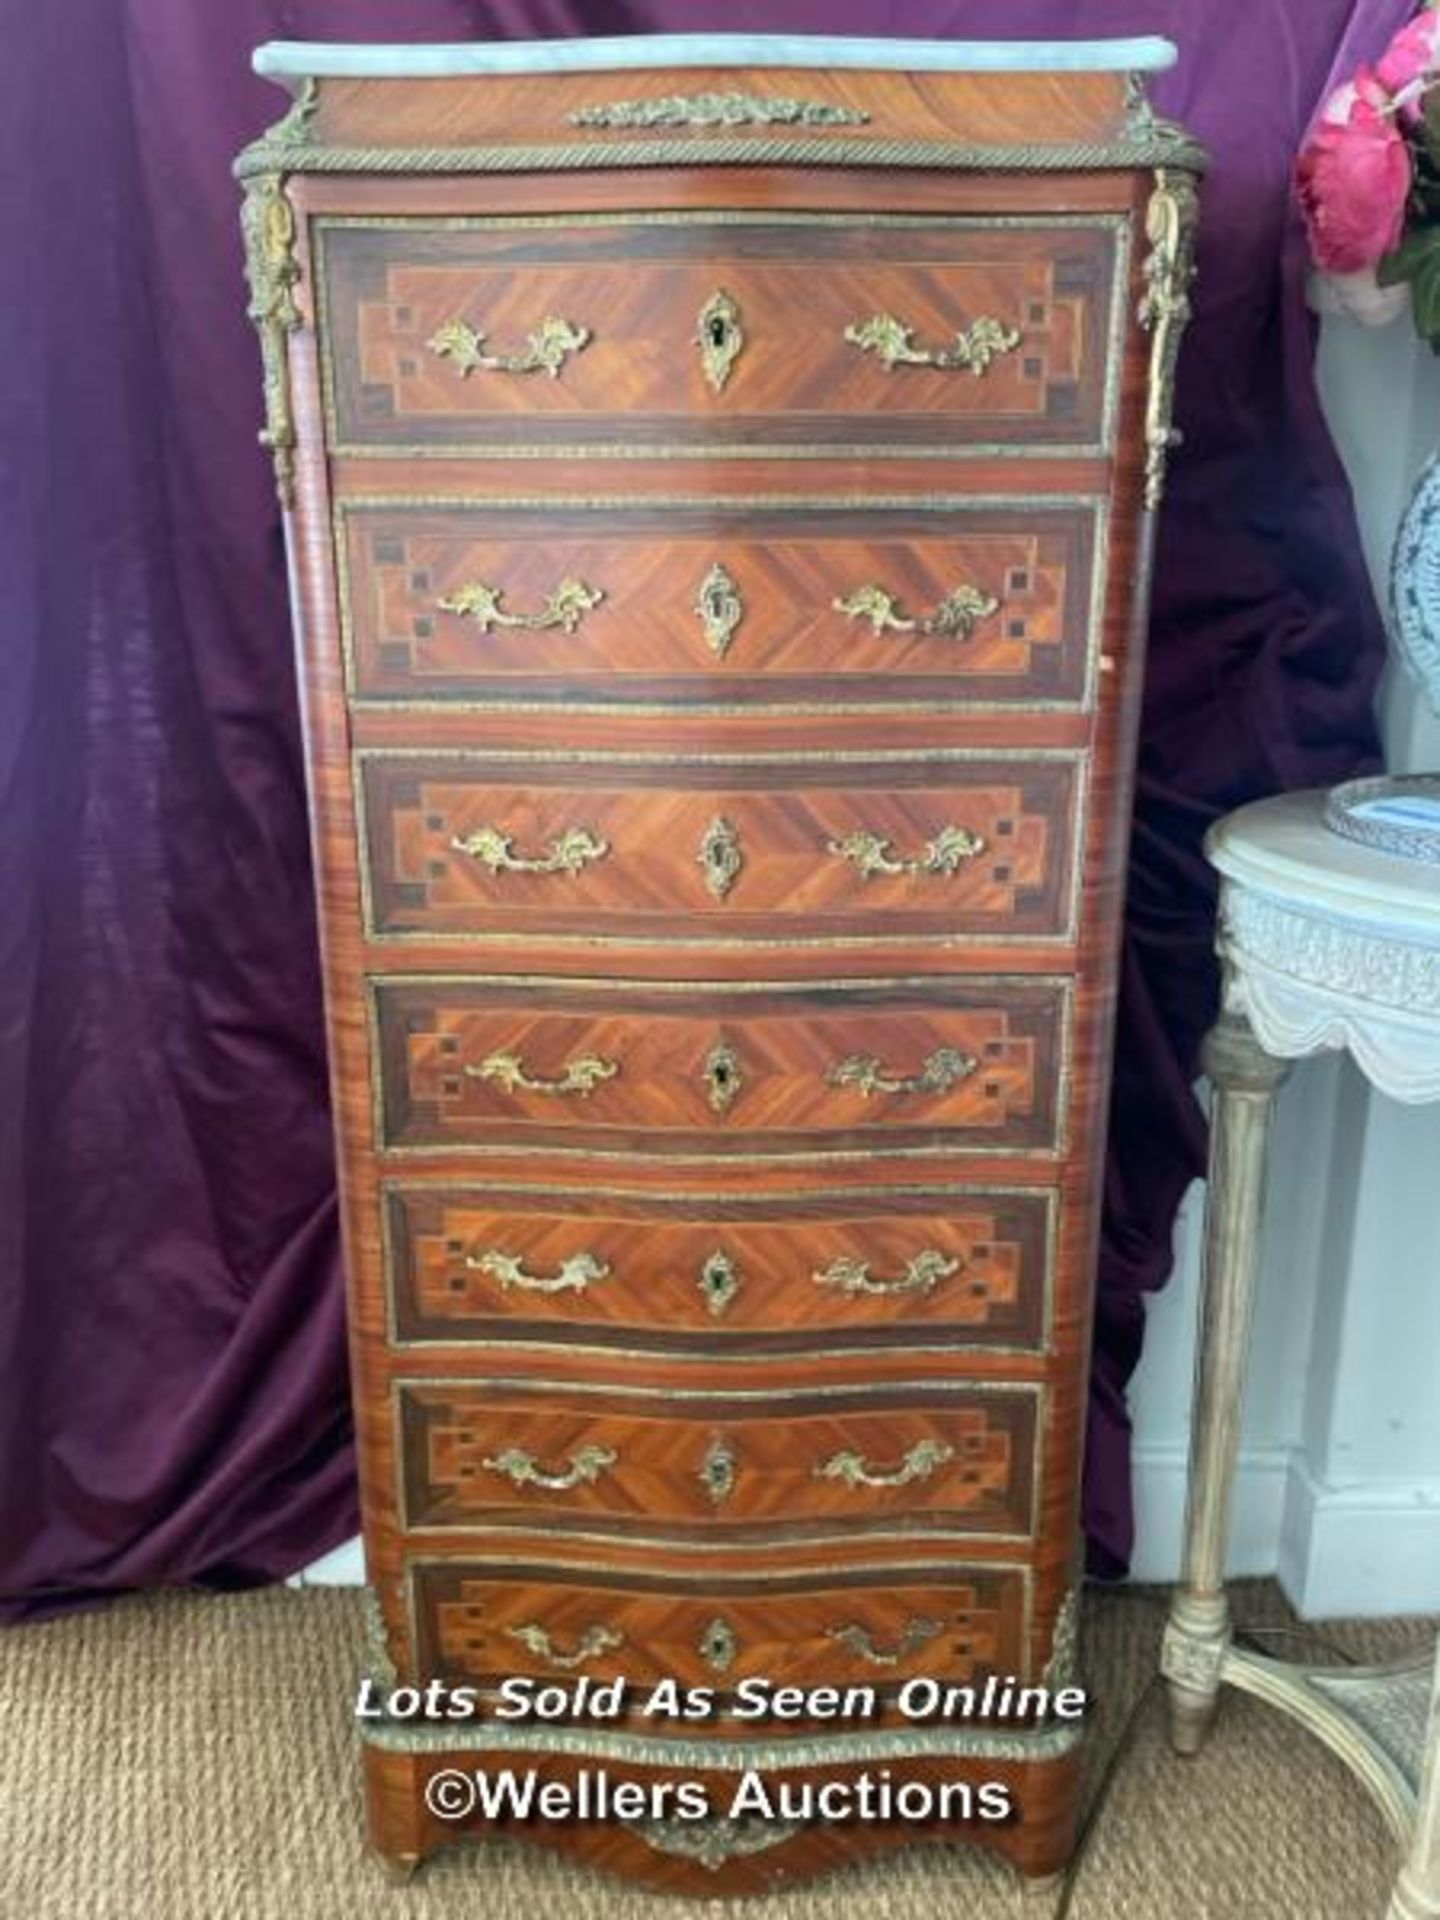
(719, 481)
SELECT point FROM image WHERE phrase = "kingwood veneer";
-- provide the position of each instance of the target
(720, 502)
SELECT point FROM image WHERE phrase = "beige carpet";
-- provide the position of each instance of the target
(183, 1758)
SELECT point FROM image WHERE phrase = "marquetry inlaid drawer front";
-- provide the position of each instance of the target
(695, 1067)
(638, 846)
(737, 331)
(876, 600)
(480, 1262)
(956, 1457)
(962, 1623)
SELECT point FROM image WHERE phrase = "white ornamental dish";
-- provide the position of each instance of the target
(1398, 814)
(1415, 583)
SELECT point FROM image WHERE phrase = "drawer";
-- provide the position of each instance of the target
(477, 1625)
(951, 1456)
(636, 846)
(481, 1262)
(736, 329)
(696, 601)
(693, 1066)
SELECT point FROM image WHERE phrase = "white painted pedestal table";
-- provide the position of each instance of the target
(1325, 944)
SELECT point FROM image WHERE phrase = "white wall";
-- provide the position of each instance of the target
(1339, 1485)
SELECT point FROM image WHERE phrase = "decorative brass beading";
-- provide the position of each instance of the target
(945, 1068)
(1163, 311)
(1166, 145)
(922, 1274)
(268, 223)
(723, 1077)
(718, 1470)
(718, 110)
(918, 1633)
(721, 857)
(1062, 1669)
(591, 1644)
(719, 337)
(522, 1469)
(919, 1463)
(893, 344)
(719, 1282)
(581, 1076)
(573, 1276)
(566, 607)
(718, 1646)
(953, 618)
(568, 853)
(945, 854)
(720, 608)
(545, 351)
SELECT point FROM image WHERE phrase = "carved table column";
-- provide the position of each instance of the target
(1325, 944)
(1244, 1078)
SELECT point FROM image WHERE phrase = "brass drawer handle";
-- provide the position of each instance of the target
(524, 1470)
(893, 344)
(581, 1076)
(945, 1068)
(918, 1633)
(568, 853)
(591, 1644)
(945, 854)
(573, 1276)
(918, 1464)
(953, 617)
(545, 351)
(922, 1273)
(566, 607)
(719, 337)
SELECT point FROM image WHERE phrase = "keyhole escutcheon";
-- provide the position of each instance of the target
(723, 1078)
(720, 337)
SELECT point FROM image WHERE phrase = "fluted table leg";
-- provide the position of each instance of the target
(1244, 1079)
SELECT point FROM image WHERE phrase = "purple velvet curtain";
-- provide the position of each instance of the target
(172, 1364)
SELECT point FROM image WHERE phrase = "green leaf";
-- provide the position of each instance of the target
(1425, 293)
(1409, 259)
(1423, 138)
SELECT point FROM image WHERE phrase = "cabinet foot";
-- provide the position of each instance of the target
(399, 1868)
(1042, 1886)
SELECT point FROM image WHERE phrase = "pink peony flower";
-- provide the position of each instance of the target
(1353, 178)
(1410, 60)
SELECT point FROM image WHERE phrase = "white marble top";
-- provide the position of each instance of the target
(1283, 848)
(305, 59)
